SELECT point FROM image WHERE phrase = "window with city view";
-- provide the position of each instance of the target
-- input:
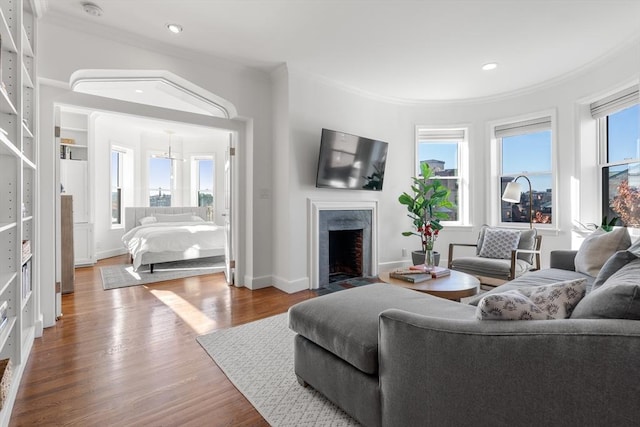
(526, 149)
(160, 181)
(441, 149)
(620, 134)
(205, 181)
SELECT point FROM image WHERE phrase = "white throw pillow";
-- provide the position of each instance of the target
(148, 220)
(598, 247)
(498, 243)
(196, 218)
(174, 217)
(545, 302)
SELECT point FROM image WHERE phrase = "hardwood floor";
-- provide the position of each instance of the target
(129, 356)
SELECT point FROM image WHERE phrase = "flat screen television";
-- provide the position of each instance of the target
(350, 162)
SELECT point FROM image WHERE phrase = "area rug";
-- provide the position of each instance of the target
(122, 275)
(258, 359)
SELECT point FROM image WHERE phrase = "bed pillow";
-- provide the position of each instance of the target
(196, 218)
(148, 220)
(174, 217)
(544, 302)
(598, 247)
(498, 243)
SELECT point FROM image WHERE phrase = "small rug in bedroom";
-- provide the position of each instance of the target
(257, 358)
(122, 275)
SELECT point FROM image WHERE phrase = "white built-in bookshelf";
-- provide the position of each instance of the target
(18, 203)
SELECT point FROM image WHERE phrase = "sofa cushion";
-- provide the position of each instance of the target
(617, 298)
(545, 302)
(598, 247)
(545, 276)
(499, 243)
(613, 264)
(346, 322)
(527, 241)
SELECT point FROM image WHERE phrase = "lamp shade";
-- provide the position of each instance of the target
(512, 192)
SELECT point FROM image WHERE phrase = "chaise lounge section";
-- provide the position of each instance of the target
(391, 356)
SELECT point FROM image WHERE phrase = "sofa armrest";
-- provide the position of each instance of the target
(563, 259)
(435, 371)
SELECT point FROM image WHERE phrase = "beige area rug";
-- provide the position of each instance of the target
(122, 275)
(258, 359)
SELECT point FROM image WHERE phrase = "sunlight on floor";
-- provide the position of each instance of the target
(193, 317)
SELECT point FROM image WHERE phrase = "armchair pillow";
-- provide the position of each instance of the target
(598, 247)
(527, 242)
(498, 243)
(617, 298)
(545, 302)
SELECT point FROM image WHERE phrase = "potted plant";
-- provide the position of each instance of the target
(427, 205)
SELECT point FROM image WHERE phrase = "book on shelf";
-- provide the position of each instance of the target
(412, 277)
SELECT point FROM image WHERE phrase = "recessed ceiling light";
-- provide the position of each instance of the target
(175, 28)
(490, 66)
(138, 90)
(92, 9)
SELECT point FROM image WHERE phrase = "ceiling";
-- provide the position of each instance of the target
(403, 50)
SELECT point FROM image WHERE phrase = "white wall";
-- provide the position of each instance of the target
(314, 104)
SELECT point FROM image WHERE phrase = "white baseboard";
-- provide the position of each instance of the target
(254, 283)
(110, 253)
(291, 287)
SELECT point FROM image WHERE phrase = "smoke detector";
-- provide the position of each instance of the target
(92, 9)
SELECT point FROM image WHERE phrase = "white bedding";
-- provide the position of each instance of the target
(188, 238)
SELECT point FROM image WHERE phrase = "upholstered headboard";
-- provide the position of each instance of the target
(133, 214)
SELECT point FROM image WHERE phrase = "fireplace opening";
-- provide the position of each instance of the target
(345, 254)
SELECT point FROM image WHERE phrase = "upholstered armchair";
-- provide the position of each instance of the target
(502, 254)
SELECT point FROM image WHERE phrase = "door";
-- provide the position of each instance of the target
(228, 188)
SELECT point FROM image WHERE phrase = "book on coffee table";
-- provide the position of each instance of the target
(440, 272)
(412, 277)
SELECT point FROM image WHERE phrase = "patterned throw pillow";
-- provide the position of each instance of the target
(498, 243)
(545, 302)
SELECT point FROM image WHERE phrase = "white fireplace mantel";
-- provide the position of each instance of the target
(314, 208)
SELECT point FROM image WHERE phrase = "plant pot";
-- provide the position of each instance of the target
(418, 257)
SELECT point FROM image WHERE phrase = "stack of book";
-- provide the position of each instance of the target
(410, 275)
(440, 272)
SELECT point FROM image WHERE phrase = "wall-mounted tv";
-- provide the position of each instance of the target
(350, 162)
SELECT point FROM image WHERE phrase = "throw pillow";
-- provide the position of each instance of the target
(196, 218)
(598, 247)
(613, 264)
(545, 302)
(617, 298)
(498, 243)
(527, 241)
(174, 217)
(148, 220)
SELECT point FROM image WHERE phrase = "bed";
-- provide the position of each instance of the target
(163, 234)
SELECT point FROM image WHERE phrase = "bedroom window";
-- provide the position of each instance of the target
(445, 152)
(525, 149)
(117, 179)
(161, 181)
(618, 123)
(204, 180)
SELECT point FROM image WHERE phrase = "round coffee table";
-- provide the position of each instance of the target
(454, 286)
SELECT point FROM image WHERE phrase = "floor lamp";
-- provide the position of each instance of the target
(512, 194)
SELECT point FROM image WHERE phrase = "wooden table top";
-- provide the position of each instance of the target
(454, 286)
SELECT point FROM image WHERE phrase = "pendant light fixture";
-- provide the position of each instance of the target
(168, 154)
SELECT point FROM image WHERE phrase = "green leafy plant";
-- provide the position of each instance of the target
(427, 204)
(608, 226)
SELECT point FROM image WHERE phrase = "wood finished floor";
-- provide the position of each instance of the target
(129, 356)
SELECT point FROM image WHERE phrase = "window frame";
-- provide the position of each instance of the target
(438, 135)
(602, 140)
(495, 183)
(195, 177)
(120, 180)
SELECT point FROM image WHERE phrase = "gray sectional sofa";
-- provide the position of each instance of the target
(390, 356)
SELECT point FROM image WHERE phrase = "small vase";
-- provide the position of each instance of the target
(429, 260)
